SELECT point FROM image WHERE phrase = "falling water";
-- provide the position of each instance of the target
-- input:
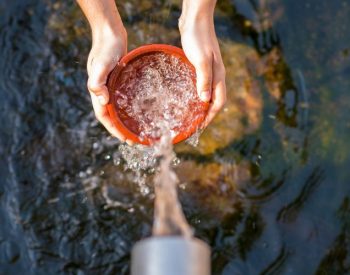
(157, 99)
(168, 216)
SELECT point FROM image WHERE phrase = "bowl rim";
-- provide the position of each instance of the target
(146, 49)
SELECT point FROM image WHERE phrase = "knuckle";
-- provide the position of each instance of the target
(93, 87)
(90, 85)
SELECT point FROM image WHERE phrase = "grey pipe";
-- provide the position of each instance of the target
(171, 255)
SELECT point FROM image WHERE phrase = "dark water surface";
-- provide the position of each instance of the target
(268, 187)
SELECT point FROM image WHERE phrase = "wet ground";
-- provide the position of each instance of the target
(267, 187)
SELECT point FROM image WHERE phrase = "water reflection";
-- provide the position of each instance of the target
(266, 187)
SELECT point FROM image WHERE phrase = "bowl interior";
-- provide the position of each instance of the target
(153, 89)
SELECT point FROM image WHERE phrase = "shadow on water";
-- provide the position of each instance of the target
(266, 187)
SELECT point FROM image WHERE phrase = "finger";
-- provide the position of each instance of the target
(219, 94)
(204, 72)
(129, 142)
(218, 101)
(97, 82)
(89, 61)
(103, 116)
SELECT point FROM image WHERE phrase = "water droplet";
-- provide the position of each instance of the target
(182, 186)
(131, 210)
(82, 174)
(176, 161)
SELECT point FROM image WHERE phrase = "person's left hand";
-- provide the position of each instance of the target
(201, 47)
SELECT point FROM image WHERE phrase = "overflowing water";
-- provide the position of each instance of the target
(156, 93)
(156, 98)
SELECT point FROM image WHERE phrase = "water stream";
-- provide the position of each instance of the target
(168, 216)
(156, 98)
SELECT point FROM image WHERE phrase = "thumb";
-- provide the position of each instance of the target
(204, 73)
(97, 83)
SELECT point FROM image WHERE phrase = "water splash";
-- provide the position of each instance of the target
(157, 90)
(156, 98)
(159, 158)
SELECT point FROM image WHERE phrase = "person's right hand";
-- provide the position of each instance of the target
(108, 47)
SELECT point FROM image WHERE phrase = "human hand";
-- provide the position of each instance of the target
(108, 47)
(201, 47)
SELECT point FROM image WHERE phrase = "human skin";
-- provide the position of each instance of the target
(200, 44)
(109, 45)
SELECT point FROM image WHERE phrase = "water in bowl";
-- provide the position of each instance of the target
(156, 93)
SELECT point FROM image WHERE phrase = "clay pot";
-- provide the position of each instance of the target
(192, 120)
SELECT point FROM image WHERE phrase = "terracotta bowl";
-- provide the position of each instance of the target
(119, 117)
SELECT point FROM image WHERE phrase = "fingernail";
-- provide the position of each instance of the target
(102, 100)
(205, 96)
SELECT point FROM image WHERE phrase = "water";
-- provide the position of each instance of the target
(156, 98)
(168, 216)
(158, 160)
(266, 187)
(156, 93)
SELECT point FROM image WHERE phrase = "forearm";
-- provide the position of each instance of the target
(195, 11)
(103, 17)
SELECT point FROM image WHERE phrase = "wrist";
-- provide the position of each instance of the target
(108, 31)
(196, 12)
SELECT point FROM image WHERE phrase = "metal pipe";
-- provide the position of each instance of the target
(170, 255)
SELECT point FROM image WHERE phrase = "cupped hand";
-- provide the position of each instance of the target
(107, 49)
(201, 47)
